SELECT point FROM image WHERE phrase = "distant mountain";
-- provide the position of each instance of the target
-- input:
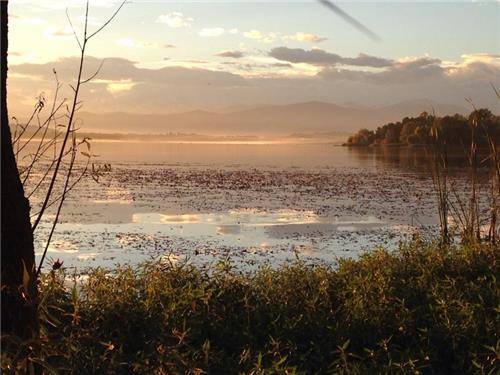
(309, 117)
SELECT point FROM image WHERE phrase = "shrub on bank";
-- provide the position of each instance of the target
(420, 309)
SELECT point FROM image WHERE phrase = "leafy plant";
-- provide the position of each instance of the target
(424, 308)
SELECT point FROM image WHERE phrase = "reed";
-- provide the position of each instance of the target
(462, 208)
(439, 172)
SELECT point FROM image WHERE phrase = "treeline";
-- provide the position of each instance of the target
(455, 130)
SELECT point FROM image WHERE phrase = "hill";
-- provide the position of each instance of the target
(308, 117)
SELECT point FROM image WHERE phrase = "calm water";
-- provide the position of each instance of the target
(248, 155)
(265, 155)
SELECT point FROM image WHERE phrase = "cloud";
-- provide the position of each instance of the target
(232, 54)
(126, 42)
(211, 31)
(383, 71)
(420, 71)
(129, 42)
(253, 34)
(490, 58)
(120, 86)
(406, 71)
(410, 71)
(124, 85)
(175, 20)
(259, 36)
(367, 60)
(91, 20)
(120, 69)
(233, 31)
(61, 5)
(416, 62)
(486, 73)
(27, 20)
(306, 37)
(58, 32)
(322, 58)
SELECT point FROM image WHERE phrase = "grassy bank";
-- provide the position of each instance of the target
(420, 308)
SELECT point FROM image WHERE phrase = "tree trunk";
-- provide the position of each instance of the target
(19, 290)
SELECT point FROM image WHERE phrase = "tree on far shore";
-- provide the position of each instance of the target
(455, 130)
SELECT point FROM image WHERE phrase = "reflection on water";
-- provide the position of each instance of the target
(60, 247)
(416, 157)
(288, 155)
(231, 218)
(245, 155)
(218, 154)
(278, 235)
(274, 155)
(228, 229)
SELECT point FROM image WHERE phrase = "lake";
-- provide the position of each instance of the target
(251, 204)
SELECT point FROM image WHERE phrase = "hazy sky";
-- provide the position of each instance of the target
(165, 56)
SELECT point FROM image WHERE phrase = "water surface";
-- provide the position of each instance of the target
(252, 203)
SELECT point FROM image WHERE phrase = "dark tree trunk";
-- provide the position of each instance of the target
(19, 291)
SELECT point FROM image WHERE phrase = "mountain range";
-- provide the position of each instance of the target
(307, 117)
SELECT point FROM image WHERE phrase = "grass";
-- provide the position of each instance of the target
(420, 309)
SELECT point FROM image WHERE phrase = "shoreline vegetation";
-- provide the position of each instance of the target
(424, 308)
(455, 131)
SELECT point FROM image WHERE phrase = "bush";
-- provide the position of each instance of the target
(420, 309)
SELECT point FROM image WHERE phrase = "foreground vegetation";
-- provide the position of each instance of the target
(423, 308)
(454, 130)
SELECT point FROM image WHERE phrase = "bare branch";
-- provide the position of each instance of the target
(107, 22)
(36, 156)
(73, 29)
(26, 125)
(20, 148)
(56, 219)
(70, 128)
(95, 74)
(70, 187)
(63, 146)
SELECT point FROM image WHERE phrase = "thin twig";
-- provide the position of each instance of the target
(105, 23)
(73, 29)
(54, 223)
(95, 74)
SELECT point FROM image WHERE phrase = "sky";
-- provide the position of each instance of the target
(167, 56)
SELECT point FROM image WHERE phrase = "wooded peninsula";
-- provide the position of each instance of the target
(455, 130)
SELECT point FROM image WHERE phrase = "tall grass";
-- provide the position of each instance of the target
(452, 206)
(440, 179)
(422, 309)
